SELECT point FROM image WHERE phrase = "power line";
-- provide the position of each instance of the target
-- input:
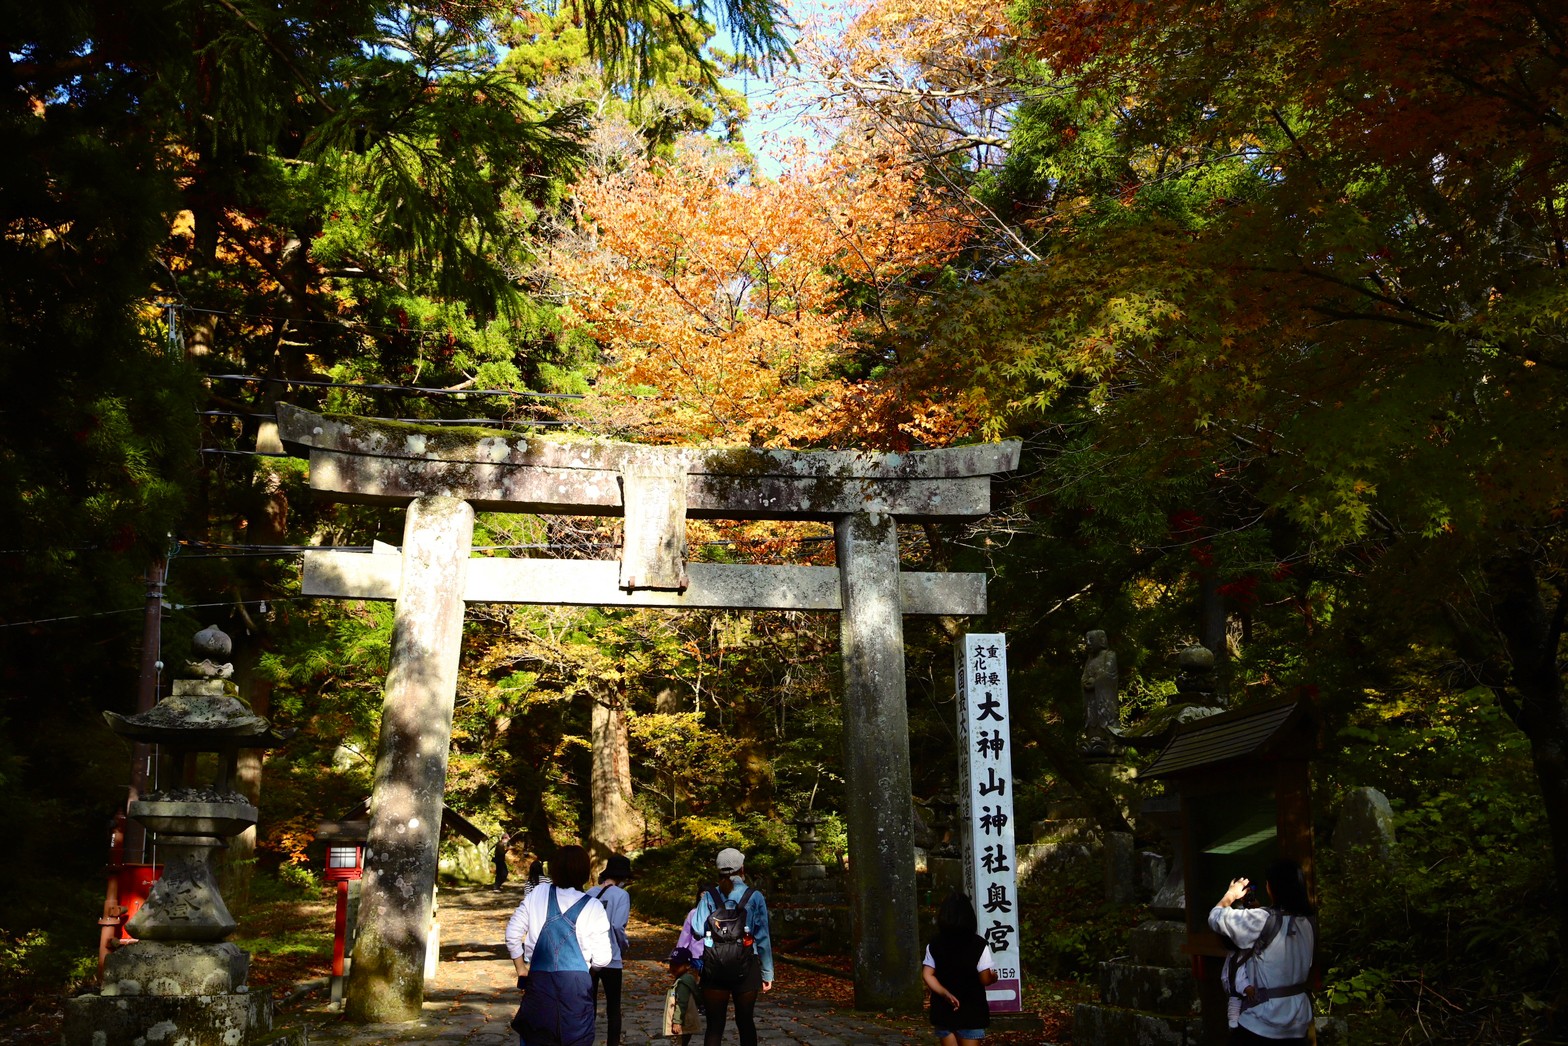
(482, 422)
(166, 606)
(416, 390)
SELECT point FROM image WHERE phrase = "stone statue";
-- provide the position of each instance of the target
(1101, 714)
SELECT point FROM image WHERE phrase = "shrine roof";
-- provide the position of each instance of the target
(355, 826)
(1241, 733)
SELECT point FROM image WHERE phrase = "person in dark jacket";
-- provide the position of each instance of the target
(958, 967)
(502, 841)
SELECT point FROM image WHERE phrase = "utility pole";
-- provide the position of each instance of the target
(146, 697)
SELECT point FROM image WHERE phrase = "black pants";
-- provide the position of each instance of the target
(716, 1000)
(611, 979)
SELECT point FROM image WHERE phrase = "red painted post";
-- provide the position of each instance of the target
(340, 929)
(113, 915)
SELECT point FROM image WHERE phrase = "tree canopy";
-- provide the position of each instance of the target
(1274, 296)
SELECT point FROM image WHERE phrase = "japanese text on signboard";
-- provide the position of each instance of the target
(986, 770)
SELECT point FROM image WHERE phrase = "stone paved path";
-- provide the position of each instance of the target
(474, 996)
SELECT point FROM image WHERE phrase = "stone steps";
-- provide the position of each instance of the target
(1153, 989)
(1096, 1023)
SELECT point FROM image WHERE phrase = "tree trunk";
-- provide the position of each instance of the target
(1533, 635)
(238, 864)
(756, 768)
(616, 825)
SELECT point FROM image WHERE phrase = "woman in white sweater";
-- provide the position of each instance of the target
(1277, 1009)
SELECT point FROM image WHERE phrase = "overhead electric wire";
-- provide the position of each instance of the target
(524, 422)
(417, 390)
(166, 606)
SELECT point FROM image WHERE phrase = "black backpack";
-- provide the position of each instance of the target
(727, 952)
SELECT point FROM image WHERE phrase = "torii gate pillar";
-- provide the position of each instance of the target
(876, 765)
(416, 734)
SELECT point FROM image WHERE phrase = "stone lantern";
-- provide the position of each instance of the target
(180, 979)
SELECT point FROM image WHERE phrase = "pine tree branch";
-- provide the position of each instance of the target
(283, 56)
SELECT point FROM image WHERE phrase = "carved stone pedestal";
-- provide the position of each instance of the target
(207, 1020)
(175, 968)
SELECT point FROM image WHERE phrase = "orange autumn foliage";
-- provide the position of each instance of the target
(929, 75)
(720, 302)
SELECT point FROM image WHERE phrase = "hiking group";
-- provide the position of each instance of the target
(566, 942)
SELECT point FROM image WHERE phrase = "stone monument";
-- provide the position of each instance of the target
(1101, 713)
(813, 906)
(179, 980)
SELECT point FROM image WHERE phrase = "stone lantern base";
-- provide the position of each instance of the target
(231, 1019)
(175, 968)
(178, 993)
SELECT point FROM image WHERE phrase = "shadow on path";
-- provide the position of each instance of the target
(473, 996)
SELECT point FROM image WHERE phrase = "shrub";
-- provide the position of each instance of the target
(668, 875)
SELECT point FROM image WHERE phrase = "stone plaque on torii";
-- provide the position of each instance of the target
(444, 475)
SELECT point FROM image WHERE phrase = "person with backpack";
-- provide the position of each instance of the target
(554, 938)
(1276, 944)
(737, 952)
(618, 906)
(691, 930)
(958, 967)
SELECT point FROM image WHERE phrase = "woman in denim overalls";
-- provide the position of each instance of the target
(554, 936)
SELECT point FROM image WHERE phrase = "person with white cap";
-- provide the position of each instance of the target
(737, 950)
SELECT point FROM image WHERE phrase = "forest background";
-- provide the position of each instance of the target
(1273, 294)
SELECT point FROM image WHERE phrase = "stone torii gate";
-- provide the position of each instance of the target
(444, 475)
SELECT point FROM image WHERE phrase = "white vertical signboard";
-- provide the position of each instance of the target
(986, 773)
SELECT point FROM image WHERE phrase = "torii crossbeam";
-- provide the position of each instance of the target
(444, 475)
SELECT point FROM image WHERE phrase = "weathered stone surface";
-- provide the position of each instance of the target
(153, 1020)
(502, 488)
(302, 428)
(359, 575)
(877, 782)
(169, 816)
(1121, 873)
(1037, 859)
(184, 904)
(1156, 989)
(653, 545)
(199, 710)
(1096, 1025)
(829, 924)
(1158, 942)
(175, 968)
(397, 891)
(1366, 824)
(1170, 901)
(357, 459)
(1152, 871)
(464, 862)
